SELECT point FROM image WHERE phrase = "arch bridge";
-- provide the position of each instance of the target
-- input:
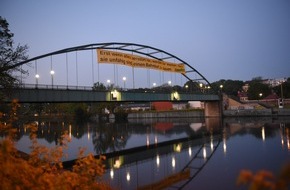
(65, 93)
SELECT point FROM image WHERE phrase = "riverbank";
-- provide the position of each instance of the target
(200, 113)
(167, 114)
(256, 112)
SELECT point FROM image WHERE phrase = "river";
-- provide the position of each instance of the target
(184, 153)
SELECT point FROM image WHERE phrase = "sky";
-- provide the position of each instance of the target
(225, 39)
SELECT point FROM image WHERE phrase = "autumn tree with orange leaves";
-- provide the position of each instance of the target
(43, 168)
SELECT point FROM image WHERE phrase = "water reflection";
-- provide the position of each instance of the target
(285, 136)
(181, 161)
(170, 148)
(167, 165)
(112, 137)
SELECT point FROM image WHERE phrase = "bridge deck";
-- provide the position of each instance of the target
(35, 95)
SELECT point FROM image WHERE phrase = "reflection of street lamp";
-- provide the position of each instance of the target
(52, 73)
(36, 78)
(124, 79)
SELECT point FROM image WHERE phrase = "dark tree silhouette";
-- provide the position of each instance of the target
(9, 55)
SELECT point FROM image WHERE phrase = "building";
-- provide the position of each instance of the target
(274, 82)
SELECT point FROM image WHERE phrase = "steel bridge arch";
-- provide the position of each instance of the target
(140, 49)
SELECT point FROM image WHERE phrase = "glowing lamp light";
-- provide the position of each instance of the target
(112, 173)
(204, 152)
(189, 151)
(173, 162)
(157, 160)
(128, 177)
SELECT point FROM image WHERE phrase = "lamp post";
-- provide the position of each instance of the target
(124, 79)
(201, 85)
(52, 73)
(36, 78)
(154, 84)
(282, 91)
(169, 83)
(108, 82)
(208, 88)
(280, 101)
(222, 103)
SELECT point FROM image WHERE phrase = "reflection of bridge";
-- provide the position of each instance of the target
(196, 88)
(171, 164)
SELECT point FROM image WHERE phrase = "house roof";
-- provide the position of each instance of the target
(271, 97)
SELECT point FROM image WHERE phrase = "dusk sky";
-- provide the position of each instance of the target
(225, 39)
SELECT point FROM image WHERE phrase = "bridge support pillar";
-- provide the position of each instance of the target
(212, 109)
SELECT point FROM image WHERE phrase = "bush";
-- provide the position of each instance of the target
(263, 179)
(43, 168)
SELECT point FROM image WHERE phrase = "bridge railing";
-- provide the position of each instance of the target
(105, 89)
(57, 87)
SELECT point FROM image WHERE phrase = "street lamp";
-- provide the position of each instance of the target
(169, 83)
(52, 73)
(154, 84)
(108, 82)
(260, 95)
(208, 87)
(36, 78)
(186, 87)
(280, 101)
(124, 79)
(201, 89)
(282, 90)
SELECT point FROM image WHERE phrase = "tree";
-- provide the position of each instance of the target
(9, 56)
(192, 86)
(230, 87)
(99, 86)
(256, 89)
(43, 168)
(285, 89)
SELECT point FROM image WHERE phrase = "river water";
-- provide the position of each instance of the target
(177, 153)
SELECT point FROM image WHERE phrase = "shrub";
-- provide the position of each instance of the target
(43, 168)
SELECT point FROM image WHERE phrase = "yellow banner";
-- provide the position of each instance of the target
(106, 56)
